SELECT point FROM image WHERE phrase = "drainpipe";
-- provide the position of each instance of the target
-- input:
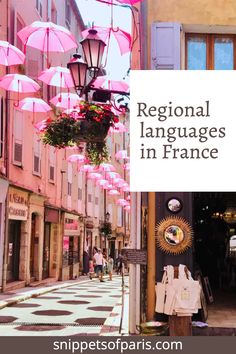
(151, 256)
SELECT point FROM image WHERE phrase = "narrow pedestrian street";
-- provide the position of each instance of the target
(88, 308)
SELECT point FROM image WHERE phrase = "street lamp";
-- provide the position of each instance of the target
(78, 69)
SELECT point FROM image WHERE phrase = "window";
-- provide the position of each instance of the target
(80, 193)
(52, 162)
(69, 184)
(18, 138)
(19, 25)
(68, 15)
(39, 8)
(119, 216)
(1, 127)
(89, 198)
(69, 189)
(37, 156)
(210, 52)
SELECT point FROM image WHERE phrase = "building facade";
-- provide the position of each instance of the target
(184, 35)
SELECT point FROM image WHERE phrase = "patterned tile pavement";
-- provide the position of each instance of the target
(90, 308)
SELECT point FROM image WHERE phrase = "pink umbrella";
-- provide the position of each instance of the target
(40, 126)
(126, 189)
(76, 158)
(118, 2)
(126, 166)
(123, 38)
(122, 154)
(65, 100)
(94, 175)
(47, 37)
(102, 182)
(18, 83)
(127, 208)
(107, 167)
(118, 128)
(107, 186)
(57, 76)
(86, 168)
(112, 175)
(122, 202)
(104, 83)
(35, 105)
(113, 192)
(10, 55)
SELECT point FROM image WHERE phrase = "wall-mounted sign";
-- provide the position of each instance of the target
(18, 204)
(134, 256)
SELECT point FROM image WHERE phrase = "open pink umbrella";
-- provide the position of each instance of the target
(122, 154)
(117, 2)
(107, 167)
(102, 182)
(57, 76)
(95, 176)
(47, 37)
(18, 83)
(118, 128)
(104, 83)
(122, 202)
(112, 175)
(10, 55)
(35, 105)
(105, 33)
(127, 208)
(114, 192)
(87, 168)
(65, 100)
(76, 158)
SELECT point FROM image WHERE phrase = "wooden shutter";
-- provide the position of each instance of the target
(37, 156)
(18, 138)
(165, 46)
(51, 164)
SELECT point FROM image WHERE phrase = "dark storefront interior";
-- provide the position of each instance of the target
(214, 221)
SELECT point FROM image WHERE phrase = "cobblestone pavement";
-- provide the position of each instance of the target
(89, 308)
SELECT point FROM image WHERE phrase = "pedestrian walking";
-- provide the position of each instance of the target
(99, 262)
(110, 266)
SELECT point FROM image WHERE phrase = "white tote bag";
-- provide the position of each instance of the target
(170, 292)
(187, 293)
(161, 294)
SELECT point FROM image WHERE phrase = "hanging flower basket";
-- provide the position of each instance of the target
(90, 124)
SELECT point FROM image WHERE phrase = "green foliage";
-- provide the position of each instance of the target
(106, 228)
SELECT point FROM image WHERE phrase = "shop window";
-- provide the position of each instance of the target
(210, 52)
(1, 127)
(18, 138)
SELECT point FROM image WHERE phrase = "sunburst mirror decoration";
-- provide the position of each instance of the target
(174, 235)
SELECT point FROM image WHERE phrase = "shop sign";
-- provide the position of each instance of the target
(71, 225)
(18, 205)
(134, 256)
(52, 215)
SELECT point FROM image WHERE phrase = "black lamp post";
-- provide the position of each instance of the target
(78, 69)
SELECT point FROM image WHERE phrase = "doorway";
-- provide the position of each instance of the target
(215, 253)
(33, 246)
(46, 250)
(13, 250)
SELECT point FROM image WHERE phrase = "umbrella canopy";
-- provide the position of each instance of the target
(113, 192)
(47, 37)
(106, 167)
(87, 168)
(10, 55)
(105, 33)
(118, 128)
(103, 82)
(95, 176)
(102, 182)
(76, 158)
(34, 105)
(18, 83)
(122, 154)
(127, 208)
(112, 175)
(57, 76)
(118, 2)
(65, 100)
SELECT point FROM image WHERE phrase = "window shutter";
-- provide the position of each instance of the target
(165, 46)
(37, 156)
(51, 164)
(18, 138)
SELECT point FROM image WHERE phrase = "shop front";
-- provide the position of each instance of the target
(3, 194)
(72, 247)
(17, 235)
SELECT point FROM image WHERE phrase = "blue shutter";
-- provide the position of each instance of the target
(165, 46)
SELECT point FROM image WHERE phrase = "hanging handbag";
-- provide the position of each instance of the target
(170, 291)
(160, 289)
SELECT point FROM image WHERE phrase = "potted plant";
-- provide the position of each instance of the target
(88, 123)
